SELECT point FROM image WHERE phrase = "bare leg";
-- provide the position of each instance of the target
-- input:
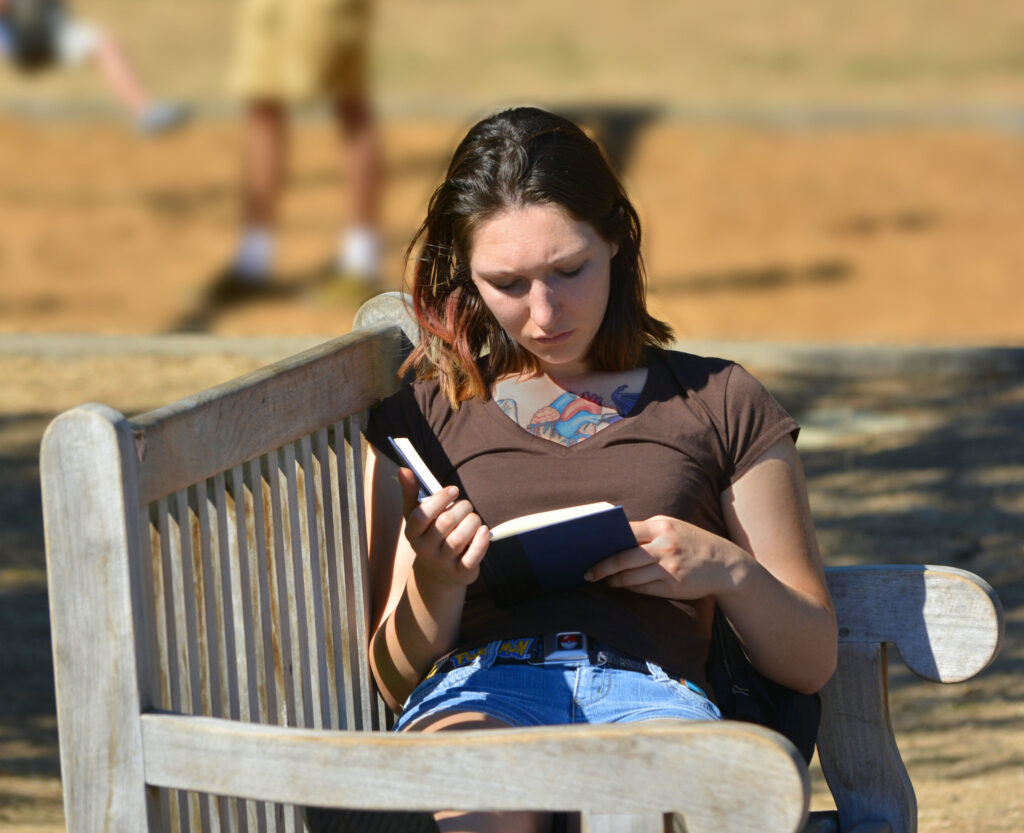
(121, 76)
(358, 124)
(151, 117)
(359, 248)
(264, 155)
(458, 822)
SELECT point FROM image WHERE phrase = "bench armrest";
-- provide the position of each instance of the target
(719, 776)
(947, 625)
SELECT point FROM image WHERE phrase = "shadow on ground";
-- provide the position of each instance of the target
(908, 468)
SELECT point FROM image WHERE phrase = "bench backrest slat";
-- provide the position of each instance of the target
(260, 605)
(248, 563)
(240, 420)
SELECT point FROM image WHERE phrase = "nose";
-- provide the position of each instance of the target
(545, 305)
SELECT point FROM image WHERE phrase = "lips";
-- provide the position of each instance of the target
(557, 338)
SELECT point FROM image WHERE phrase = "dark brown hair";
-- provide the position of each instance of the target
(520, 157)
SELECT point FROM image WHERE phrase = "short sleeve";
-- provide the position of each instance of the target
(418, 412)
(753, 422)
(395, 416)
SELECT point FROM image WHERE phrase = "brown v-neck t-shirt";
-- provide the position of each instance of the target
(698, 425)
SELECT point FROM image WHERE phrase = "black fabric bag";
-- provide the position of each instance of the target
(34, 25)
(323, 820)
(741, 692)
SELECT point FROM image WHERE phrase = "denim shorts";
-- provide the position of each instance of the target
(521, 694)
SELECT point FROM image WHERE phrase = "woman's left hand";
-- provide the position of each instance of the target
(674, 560)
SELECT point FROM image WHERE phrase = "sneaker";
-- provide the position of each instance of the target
(358, 256)
(162, 117)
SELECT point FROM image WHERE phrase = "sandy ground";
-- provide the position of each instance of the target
(876, 235)
(897, 235)
(826, 173)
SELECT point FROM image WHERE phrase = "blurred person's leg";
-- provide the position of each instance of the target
(257, 79)
(264, 170)
(292, 52)
(359, 247)
(79, 41)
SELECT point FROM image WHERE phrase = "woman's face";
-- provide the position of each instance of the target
(545, 277)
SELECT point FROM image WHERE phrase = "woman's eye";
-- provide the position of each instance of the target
(511, 286)
(570, 273)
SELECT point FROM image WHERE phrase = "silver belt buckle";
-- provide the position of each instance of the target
(567, 646)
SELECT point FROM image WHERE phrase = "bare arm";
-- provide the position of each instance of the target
(779, 603)
(767, 575)
(422, 558)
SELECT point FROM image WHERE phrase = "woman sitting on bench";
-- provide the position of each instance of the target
(543, 382)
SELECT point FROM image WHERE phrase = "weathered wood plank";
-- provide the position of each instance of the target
(947, 623)
(619, 823)
(312, 583)
(287, 624)
(297, 548)
(857, 747)
(92, 542)
(212, 431)
(329, 569)
(720, 776)
(264, 581)
(370, 707)
(388, 308)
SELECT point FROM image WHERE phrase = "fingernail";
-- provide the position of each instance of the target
(451, 491)
(589, 576)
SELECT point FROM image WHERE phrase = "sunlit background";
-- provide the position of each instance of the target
(831, 171)
(826, 175)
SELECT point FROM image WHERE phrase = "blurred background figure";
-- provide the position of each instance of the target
(291, 52)
(36, 35)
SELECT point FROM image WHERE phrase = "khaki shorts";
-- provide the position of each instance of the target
(293, 50)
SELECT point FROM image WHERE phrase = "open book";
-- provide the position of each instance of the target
(542, 552)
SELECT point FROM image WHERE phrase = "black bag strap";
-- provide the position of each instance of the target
(741, 692)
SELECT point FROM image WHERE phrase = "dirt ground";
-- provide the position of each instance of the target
(762, 228)
(894, 237)
(886, 235)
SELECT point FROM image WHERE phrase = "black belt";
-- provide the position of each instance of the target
(563, 648)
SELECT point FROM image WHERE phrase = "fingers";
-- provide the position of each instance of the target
(456, 529)
(647, 530)
(621, 561)
(649, 579)
(419, 515)
(410, 490)
(634, 570)
(477, 548)
(441, 528)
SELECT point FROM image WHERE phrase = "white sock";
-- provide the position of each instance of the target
(254, 255)
(359, 253)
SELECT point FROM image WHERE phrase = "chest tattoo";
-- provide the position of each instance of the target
(570, 418)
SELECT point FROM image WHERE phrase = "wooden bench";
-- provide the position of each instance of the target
(206, 565)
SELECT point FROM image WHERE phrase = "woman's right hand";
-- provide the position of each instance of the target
(448, 537)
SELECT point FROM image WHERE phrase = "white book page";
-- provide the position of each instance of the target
(407, 450)
(539, 519)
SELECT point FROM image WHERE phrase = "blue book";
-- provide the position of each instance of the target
(543, 552)
(550, 551)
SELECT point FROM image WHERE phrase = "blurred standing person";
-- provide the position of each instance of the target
(37, 34)
(290, 52)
